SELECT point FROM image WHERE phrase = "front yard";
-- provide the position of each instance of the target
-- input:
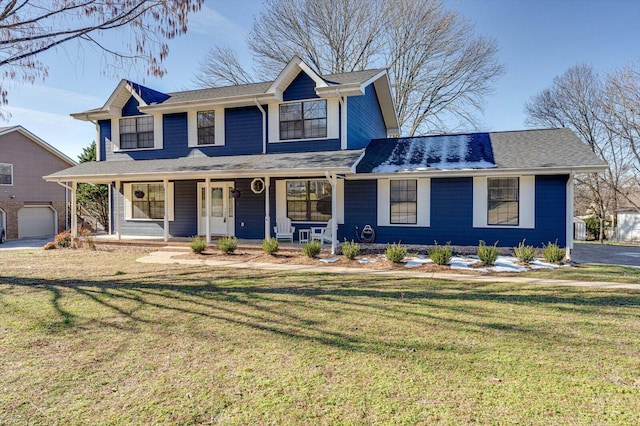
(94, 338)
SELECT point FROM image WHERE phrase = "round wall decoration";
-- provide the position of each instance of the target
(257, 186)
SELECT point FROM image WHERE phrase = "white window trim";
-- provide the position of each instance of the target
(526, 203)
(333, 120)
(281, 199)
(192, 127)
(128, 206)
(12, 177)
(157, 133)
(423, 203)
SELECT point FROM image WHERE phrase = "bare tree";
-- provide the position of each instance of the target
(438, 68)
(574, 101)
(221, 67)
(31, 27)
(621, 108)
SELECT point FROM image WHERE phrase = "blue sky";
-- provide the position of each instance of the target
(537, 41)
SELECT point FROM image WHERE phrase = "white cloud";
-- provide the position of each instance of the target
(211, 22)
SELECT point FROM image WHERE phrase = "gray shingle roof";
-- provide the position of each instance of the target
(232, 166)
(541, 148)
(524, 149)
(261, 88)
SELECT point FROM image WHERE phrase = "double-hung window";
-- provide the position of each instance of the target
(303, 120)
(309, 200)
(403, 201)
(206, 128)
(6, 174)
(136, 132)
(503, 201)
(148, 200)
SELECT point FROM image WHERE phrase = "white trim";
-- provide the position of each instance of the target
(423, 203)
(526, 203)
(290, 72)
(192, 127)
(12, 178)
(333, 121)
(157, 132)
(343, 122)
(3, 222)
(569, 217)
(281, 198)
(128, 207)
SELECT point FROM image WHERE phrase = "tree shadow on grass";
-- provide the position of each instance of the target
(303, 306)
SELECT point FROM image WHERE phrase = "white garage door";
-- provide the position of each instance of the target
(35, 222)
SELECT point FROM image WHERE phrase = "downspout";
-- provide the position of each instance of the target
(264, 125)
(343, 120)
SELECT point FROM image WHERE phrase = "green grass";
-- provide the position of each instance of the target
(586, 272)
(174, 344)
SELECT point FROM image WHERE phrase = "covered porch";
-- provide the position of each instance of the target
(239, 195)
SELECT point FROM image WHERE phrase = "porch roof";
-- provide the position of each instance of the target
(289, 164)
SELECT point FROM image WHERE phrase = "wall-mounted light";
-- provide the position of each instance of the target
(235, 193)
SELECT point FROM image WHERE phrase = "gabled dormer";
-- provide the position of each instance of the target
(129, 129)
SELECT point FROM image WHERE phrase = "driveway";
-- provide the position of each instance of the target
(609, 254)
(25, 243)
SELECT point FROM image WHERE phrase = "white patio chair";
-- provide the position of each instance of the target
(283, 229)
(323, 234)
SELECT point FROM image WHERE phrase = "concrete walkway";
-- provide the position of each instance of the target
(167, 257)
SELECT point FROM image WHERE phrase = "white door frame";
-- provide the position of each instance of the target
(223, 227)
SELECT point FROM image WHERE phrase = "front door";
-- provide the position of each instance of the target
(222, 213)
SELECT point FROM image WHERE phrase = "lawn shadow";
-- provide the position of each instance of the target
(301, 306)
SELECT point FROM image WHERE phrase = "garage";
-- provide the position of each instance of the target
(628, 225)
(36, 221)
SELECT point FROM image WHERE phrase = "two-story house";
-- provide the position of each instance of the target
(231, 160)
(29, 206)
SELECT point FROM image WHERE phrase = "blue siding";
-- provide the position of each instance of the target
(302, 87)
(131, 107)
(249, 211)
(452, 215)
(304, 146)
(185, 223)
(185, 206)
(364, 119)
(105, 132)
(243, 129)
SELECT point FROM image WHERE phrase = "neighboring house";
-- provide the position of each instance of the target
(231, 160)
(29, 206)
(628, 224)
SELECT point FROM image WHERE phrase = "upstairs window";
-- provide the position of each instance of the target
(303, 120)
(403, 201)
(309, 200)
(136, 132)
(503, 201)
(6, 174)
(206, 128)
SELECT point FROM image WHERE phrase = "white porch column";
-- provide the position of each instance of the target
(334, 213)
(166, 210)
(267, 208)
(207, 201)
(110, 230)
(74, 213)
(569, 226)
(118, 211)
